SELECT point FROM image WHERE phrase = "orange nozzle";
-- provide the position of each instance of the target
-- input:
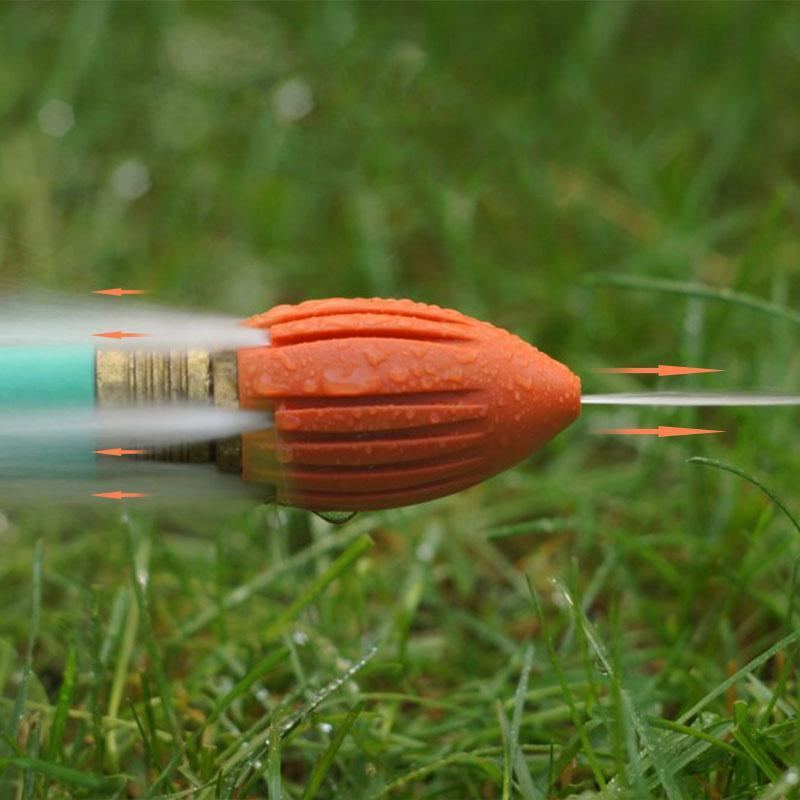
(386, 403)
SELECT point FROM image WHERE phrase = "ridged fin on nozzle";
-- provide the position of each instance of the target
(385, 403)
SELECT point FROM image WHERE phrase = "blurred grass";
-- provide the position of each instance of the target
(489, 157)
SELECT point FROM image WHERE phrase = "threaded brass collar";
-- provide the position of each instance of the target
(136, 377)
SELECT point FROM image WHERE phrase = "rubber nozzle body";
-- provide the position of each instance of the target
(386, 403)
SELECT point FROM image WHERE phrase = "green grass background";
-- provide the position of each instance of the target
(617, 183)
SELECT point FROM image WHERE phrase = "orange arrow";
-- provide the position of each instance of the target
(119, 292)
(120, 335)
(118, 495)
(662, 431)
(662, 370)
(118, 451)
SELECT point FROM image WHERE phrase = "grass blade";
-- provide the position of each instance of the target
(62, 774)
(139, 577)
(696, 290)
(710, 462)
(125, 628)
(665, 775)
(737, 676)
(577, 720)
(504, 735)
(326, 759)
(744, 735)
(246, 683)
(150, 757)
(256, 752)
(239, 690)
(65, 693)
(273, 765)
(27, 667)
(521, 771)
(6, 662)
(346, 560)
(243, 593)
(695, 733)
(481, 758)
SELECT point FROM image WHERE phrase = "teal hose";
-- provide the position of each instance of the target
(40, 378)
(46, 377)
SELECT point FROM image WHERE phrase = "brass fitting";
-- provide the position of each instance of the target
(134, 377)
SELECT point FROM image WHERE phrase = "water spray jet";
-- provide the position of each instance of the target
(334, 405)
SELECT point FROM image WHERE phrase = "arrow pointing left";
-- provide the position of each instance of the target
(119, 292)
(118, 495)
(120, 335)
(118, 452)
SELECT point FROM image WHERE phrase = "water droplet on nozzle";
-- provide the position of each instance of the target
(335, 517)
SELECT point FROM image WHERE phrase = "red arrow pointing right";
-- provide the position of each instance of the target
(662, 431)
(119, 292)
(662, 370)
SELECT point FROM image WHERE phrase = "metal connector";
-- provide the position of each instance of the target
(136, 377)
